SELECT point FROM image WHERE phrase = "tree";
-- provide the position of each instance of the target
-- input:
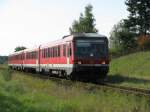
(86, 22)
(139, 16)
(121, 38)
(19, 48)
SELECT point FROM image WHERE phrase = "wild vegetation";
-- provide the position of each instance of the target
(25, 93)
(124, 35)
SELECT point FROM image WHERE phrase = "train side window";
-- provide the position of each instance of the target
(48, 52)
(69, 50)
(64, 50)
(55, 51)
(29, 55)
(36, 53)
(44, 53)
(32, 55)
(51, 53)
(58, 51)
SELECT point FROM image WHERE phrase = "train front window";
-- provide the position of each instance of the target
(96, 49)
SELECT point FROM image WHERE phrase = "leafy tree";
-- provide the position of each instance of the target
(121, 38)
(86, 22)
(139, 16)
(19, 48)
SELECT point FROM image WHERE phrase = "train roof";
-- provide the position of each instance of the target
(75, 35)
(71, 37)
(15, 53)
(31, 49)
(61, 41)
(23, 51)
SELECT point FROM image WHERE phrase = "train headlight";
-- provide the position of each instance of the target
(79, 62)
(103, 62)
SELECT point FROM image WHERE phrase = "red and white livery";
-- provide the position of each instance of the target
(76, 55)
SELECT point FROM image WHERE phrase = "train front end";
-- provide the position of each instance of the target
(91, 57)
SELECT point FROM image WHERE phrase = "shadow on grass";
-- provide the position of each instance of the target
(120, 79)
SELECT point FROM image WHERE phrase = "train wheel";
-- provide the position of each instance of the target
(50, 73)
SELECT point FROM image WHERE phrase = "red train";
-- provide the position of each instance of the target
(74, 56)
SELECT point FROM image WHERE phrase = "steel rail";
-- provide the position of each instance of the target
(126, 89)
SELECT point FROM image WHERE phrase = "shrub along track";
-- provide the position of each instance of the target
(95, 86)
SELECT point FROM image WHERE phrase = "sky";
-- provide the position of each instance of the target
(30, 23)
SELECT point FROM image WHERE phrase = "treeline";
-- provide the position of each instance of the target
(133, 33)
(3, 59)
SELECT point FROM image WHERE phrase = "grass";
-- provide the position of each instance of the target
(131, 70)
(25, 93)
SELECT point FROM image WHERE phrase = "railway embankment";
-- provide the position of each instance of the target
(132, 70)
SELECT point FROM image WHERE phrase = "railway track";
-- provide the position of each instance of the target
(128, 90)
(114, 87)
(123, 89)
(107, 85)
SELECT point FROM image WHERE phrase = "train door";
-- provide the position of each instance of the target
(69, 52)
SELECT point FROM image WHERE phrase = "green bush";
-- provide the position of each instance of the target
(7, 74)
